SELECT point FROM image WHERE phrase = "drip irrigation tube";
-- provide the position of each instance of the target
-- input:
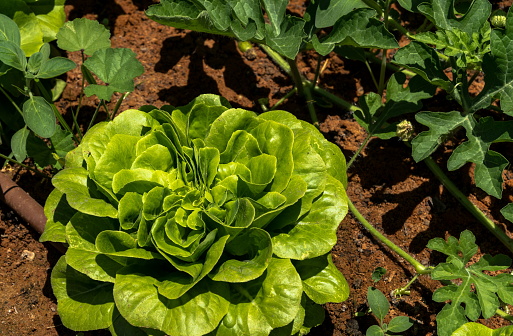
(24, 205)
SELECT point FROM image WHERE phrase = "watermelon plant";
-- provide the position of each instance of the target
(200, 219)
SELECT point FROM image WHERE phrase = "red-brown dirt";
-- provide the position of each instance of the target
(401, 198)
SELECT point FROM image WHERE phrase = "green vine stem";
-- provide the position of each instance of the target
(277, 58)
(296, 77)
(317, 69)
(24, 166)
(336, 100)
(11, 100)
(282, 63)
(419, 268)
(382, 73)
(307, 90)
(406, 289)
(359, 150)
(93, 118)
(81, 95)
(474, 210)
(504, 315)
(279, 102)
(118, 104)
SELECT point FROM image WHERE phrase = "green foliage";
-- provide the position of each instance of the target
(380, 307)
(378, 273)
(465, 47)
(401, 100)
(201, 220)
(31, 115)
(478, 293)
(117, 68)
(286, 34)
(83, 34)
(472, 328)
(37, 113)
(38, 21)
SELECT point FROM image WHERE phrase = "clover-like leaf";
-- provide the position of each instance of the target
(117, 67)
(83, 34)
(467, 304)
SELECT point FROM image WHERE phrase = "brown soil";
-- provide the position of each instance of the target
(400, 197)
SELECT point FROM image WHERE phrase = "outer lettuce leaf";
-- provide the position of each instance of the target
(38, 21)
(205, 219)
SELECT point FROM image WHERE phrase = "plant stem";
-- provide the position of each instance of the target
(296, 77)
(286, 67)
(474, 210)
(287, 96)
(80, 97)
(359, 150)
(372, 74)
(473, 78)
(118, 104)
(371, 57)
(24, 165)
(382, 73)
(419, 268)
(94, 117)
(307, 90)
(11, 100)
(336, 100)
(277, 59)
(406, 289)
(504, 315)
(317, 69)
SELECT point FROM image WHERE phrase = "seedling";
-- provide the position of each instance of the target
(378, 273)
(380, 307)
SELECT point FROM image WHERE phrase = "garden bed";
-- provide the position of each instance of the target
(401, 198)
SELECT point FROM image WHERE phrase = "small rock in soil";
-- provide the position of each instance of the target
(28, 255)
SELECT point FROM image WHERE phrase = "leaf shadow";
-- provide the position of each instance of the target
(214, 63)
(144, 4)
(104, 9)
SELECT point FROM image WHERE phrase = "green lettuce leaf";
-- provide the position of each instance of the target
(202, 219)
